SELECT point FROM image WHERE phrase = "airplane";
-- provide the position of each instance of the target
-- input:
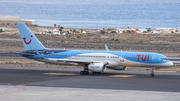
(94, 61)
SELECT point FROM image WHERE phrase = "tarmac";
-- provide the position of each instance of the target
(34, 93)
(41, 84)
(44, 84)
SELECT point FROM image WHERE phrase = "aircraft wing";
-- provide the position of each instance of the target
(71, 61)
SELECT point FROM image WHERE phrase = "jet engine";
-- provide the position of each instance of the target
(97, 67)
(118, 68)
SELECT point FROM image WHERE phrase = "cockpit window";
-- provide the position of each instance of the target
(163, 59)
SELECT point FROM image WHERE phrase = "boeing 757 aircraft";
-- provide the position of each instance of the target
(94, 61)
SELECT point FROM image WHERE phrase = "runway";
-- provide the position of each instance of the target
(10, 56)
(116, 80)
(44, 84)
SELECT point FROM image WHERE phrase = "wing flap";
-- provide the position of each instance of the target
(71, 61)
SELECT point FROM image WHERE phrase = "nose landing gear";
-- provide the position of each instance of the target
(152, 73)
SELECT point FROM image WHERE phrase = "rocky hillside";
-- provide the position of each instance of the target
(162, 43)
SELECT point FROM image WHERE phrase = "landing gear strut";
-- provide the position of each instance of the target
(84, 72)
(152, 73)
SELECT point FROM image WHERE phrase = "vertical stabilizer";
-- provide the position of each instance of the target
(29, 40)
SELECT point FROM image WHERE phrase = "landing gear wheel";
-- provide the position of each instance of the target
(86, 72)
(151, 75)
(96, 72)
(81, 72)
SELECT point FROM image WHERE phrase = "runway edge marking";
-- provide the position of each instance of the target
(59, 74)
(125, 76)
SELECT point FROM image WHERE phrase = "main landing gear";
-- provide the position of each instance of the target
(87, 73)
(152, 73)
(96, 72)
(84, 72)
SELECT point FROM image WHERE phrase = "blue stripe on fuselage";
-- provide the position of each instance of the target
(141, 57)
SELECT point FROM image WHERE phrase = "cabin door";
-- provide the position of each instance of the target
(69, 55)
(122, 58)
(153, 59)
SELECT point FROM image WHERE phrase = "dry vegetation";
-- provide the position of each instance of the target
(167, 44)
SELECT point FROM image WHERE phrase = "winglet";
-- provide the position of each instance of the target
(106, 47)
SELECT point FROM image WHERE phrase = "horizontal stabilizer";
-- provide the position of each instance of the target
(39, 55)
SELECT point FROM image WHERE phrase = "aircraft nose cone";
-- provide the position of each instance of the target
(170, 64)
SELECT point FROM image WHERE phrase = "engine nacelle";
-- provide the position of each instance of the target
(118, 68)
(97, 67)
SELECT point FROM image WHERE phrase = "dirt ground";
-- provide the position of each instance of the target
(162, 43)
(167, 44)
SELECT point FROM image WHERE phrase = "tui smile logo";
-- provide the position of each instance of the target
(29, 41)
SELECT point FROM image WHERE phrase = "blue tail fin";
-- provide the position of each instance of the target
(29, 40)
